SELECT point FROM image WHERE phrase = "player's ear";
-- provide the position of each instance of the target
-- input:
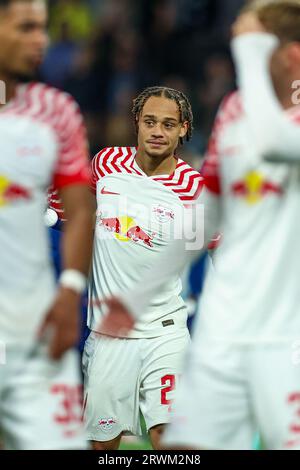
(294, 53)
(184, 129)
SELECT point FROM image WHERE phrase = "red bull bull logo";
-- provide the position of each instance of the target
(125, 229)
(11, 192)
(254, 187)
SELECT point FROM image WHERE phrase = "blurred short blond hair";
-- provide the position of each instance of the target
(280, 17)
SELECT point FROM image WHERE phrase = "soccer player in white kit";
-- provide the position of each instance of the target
(241, 374)
(42, 142)
(141, 196)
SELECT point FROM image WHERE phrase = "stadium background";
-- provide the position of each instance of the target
(104, 52)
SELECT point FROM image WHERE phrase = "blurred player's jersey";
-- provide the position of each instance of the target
(136, 219)
(253, 293)
(43, 142)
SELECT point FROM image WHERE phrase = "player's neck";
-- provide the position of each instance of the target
(153, 166)
(7, 89)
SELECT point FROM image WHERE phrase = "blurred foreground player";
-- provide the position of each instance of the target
(141, 197)
(240, 374)
(42, 142)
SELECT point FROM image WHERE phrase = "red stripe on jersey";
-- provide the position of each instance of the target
(194, 191)
(97, 167)
(182, 182)
(134, 166)
(102, 160)
(168, 178)
(105, 160)
(124, 162)
(212, 182)
(190, 184)
(181, 178)
(116, 158)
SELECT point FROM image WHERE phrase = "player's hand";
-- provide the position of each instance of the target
(247, 23)
(118, 321)
(62, 322)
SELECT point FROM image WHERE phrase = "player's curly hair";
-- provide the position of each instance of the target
(184, 106)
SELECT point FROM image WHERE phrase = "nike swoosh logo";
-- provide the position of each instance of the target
(104, 191)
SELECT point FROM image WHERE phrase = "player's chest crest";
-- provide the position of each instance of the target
(163, 214)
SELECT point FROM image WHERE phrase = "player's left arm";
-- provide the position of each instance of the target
(275, 136)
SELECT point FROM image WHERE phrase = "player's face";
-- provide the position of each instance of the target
(285, 63)
(278, 65)
(160, 127)
(23, 37)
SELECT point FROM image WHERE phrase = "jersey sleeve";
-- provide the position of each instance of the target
(98, 167)
(72, 163)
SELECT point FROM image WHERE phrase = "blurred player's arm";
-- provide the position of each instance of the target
(275, 136)
(178, 254)
(125, 310)
(72, 180)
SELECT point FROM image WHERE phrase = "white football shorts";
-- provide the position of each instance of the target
(125, 376)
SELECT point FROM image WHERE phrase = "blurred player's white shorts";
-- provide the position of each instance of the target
(230, 391)
(126, 376)
(41, 401)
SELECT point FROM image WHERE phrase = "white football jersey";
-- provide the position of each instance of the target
(43, 142)
(136, 219)
(252, 294)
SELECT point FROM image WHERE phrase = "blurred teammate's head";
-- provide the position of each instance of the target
(163, 118)
(282, 18)
(23, 37)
